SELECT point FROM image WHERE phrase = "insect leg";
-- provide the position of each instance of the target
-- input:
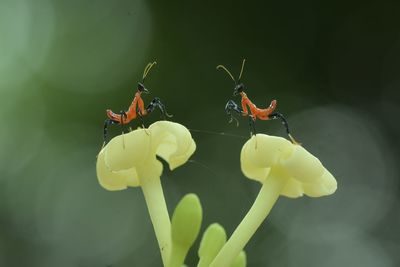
(277, 115)
(156, 102)
(231, 105)
(123, 118)
(105, 130)
(142, 121)
(252, 126)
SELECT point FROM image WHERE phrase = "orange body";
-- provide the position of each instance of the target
(131, 114)
(262, 114)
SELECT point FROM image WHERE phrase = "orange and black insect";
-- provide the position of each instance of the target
(136, 109)
(255, 112)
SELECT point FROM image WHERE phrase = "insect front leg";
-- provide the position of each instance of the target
(231, 105)
(156, 102)
(107, 122)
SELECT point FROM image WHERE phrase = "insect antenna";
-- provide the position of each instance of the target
(144, 72)
(241, 71)
(147, 69)
(227, 71)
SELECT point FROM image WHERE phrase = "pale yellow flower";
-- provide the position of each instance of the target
(283, 168)
(127, 160)
(130, 160)
(303, 173)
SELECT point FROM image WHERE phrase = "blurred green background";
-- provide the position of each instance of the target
(333, 66)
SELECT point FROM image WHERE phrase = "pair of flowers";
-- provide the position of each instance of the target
(282, 168)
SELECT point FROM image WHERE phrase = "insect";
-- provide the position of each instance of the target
(246, 105)
(136, 109)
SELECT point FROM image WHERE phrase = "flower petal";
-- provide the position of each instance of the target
(293, 189)
(173, 142)
(129, 158)
(302, 165)
(304, 172)
(262, 152)
(114, 180)
(327, 185)
(128, 150)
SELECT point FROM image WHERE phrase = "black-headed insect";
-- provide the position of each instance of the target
(136, 109)
(246, 105)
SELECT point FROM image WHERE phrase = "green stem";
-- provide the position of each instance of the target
(263, 204)
(154, 196)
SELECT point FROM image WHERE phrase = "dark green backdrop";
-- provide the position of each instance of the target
(333, 66)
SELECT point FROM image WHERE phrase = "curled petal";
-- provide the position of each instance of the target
(173, 142)
(115, 180)
(326, 186)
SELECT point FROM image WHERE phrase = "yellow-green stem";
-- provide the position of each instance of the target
(154, 196)
(263, 204)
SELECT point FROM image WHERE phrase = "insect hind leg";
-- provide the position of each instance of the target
(156, 103)
(252, 126)
(277, 115)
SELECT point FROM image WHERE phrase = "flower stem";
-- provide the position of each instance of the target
(154, 196)
(263, 204)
